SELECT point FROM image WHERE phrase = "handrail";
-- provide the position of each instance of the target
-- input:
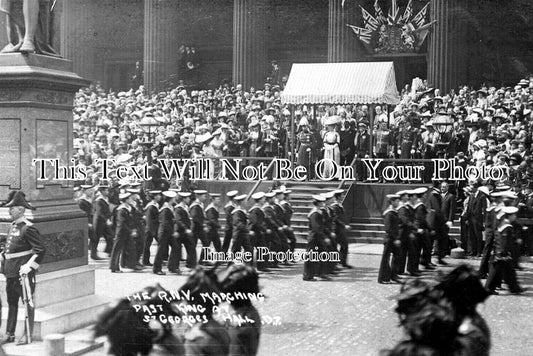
(256, 185)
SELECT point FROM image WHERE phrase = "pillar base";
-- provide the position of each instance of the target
(64, 300)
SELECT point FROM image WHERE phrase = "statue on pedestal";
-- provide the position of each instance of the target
(28, 26)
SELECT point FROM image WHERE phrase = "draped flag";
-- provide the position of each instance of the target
(420, 18)
(408, 12)
(370, 21)
(363, 34)
(379, 13)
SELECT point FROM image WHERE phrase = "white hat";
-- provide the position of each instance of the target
(200, 192)
(270, 194)
(232, 193)
(392, 196)
(240, 197)
(184, 194)
(328, 195)
(170, 194)
(484, 190)
(123, 196)
(420, 190)
(258, 195)
(320, 198)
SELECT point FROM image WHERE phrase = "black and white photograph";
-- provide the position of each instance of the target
(266, 177)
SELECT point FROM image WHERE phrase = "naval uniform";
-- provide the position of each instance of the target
(212, 216)
(422, 237)
(315, 243)
(257, 225)
(167, 239)
(408, 250)
(339, 227)
(151, 217)
(490, 221)
(240, 231)
(183, 223)
(85, 205)
(228, 229)
(273, 228)
(124, 245)
(389, 271)
(101, 215)
(287, 217)
(502, 261)
(196, 210)
(23, 242)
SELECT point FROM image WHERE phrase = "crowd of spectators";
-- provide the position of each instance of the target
(490, 126)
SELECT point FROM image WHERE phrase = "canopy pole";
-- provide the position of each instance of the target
(292, 135)
(371, 129)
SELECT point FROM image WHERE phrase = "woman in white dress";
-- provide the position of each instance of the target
(331, 141)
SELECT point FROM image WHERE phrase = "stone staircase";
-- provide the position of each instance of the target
(371, 230)
(367, 229)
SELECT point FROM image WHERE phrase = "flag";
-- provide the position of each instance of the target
(370, 21)
(365, 35)
(421, 33)
(408, 12)
(379, 13)
(393, 13)
(420, 18)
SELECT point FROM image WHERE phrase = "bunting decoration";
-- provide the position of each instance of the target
(395, 33)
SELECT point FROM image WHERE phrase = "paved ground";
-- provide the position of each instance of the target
(351, 315)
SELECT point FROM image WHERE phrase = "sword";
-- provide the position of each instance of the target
(53, 5)
(28, 303)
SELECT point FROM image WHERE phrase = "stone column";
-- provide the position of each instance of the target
(161, 42)
(250, 61)
(447, 54)
(340, 37)
(76, 35)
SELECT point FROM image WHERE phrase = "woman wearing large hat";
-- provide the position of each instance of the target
(331, 139)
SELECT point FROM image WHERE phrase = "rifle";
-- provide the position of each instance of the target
(28, 303)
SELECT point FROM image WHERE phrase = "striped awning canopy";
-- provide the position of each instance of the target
(341, 83)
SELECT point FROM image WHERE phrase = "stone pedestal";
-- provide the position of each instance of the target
(250, 60)
(36, 101)
(161, 42)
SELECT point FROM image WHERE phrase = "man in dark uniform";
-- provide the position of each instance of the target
(241, 238)
(102, 215)
(23, 253)
(138, 218)
(490, 221)
(151, 217)
(436, 223)
(502, 261)
(196, 210)
(389, 271)
(316, 240)
(228, 229)
(273, 226)
(183, 228)
(477, 206)
(449, 202)
(409, 248)
(125, 232)
(278, 209)
(167, 236)
(340, 226)
(86, 205)
(287, 216)
(257, 225)
(213, 225)
(421, 226)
